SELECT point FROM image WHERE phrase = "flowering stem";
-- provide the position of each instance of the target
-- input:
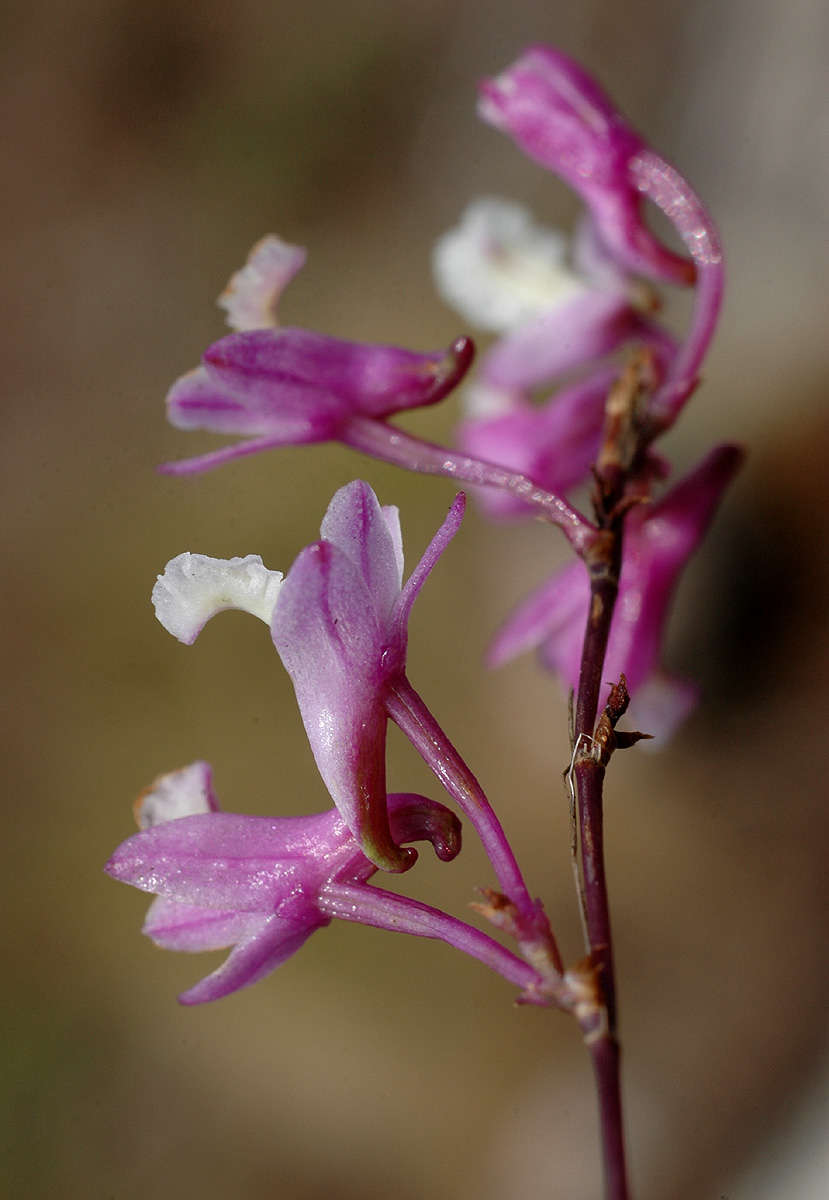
(380, 440)
(407, 710)
(387, 910)
(589, 774)
(604, 1053)
(621, 446)
(598, 1021)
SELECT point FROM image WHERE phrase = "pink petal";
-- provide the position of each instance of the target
(255, 956)
(327, 633)
(176, 926)
(586, 328)
(273, 369)
(554, 614)
(660, 706)
(356, 524)
(228, 862)
(560, 117)
(427, 563)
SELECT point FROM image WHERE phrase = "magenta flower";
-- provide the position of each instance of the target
(659, 541)
(340, 627)
(277, 386)
(339, 623)
(258, 884)
(560, 117)
(506, 273)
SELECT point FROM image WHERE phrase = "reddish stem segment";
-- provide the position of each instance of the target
(589, 774)
(599, 1025)
(604, 1053)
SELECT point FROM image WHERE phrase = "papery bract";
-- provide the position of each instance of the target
(253, 883)
(340, 627)
(659, 540)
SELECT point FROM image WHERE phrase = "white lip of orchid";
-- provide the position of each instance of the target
(194, 587)
(252, 294)
(183, 793)
(500, 269)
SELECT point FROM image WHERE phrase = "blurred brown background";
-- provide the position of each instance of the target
(147, 146)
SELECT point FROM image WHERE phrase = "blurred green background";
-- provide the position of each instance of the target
(147, 147)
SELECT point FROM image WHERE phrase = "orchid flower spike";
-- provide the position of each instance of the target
(659, 541)
(257, 884)
(339, 622)
(340, 627)
(560, 116)
(284, 386)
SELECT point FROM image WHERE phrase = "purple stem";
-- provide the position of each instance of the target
(387, 910)
(407, 710)
(604, 1054)
(380, 440)
(589, 775)
(671, 193)
(599, 1026)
